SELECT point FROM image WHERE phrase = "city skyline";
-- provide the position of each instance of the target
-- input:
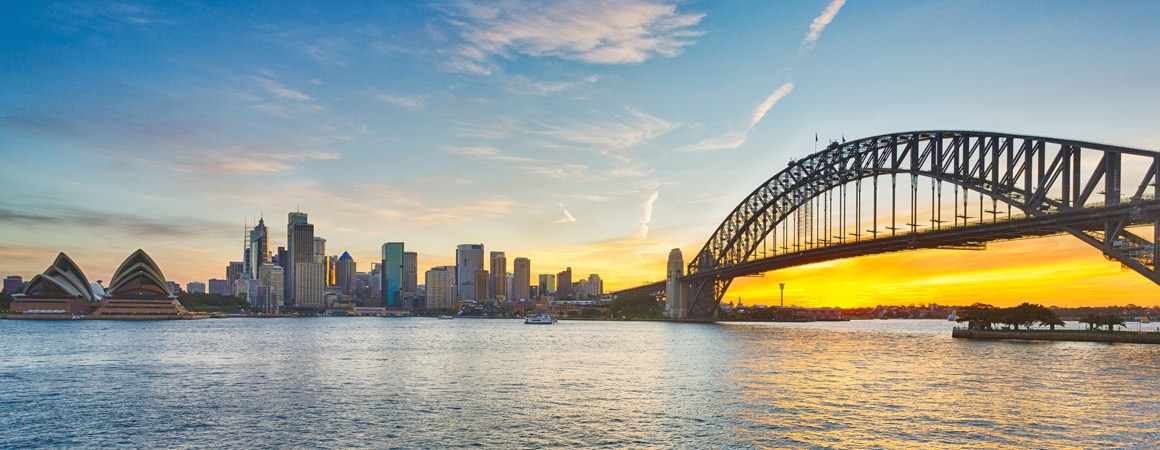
(596, 138)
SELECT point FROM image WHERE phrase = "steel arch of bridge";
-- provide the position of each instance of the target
(1050, 182)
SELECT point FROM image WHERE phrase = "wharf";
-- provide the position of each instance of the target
(1131, 337)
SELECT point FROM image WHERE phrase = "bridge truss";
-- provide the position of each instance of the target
(934, 189)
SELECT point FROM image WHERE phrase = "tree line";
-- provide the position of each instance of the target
(981, 316)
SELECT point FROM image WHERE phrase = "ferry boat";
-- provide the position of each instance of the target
(445, 316)
(951, 317)
(539, 319)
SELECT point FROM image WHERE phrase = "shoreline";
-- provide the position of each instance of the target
(1131, 337)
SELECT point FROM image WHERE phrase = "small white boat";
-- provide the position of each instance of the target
(951, 317)
(445, 316)
(539, 319)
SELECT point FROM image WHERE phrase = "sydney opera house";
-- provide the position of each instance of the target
(136, 291)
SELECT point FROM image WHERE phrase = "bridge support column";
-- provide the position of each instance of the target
(702, 296)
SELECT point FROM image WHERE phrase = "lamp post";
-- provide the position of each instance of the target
(782, 293)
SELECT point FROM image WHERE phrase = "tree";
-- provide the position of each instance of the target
(1050, 319)
(1093, 321)
(979, 316)
(635, 305)
(1112, 321)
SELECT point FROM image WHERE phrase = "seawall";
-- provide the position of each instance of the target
(1077, 336)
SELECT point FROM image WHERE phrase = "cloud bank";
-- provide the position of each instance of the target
(595, 32)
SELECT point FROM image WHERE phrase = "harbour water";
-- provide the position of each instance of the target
(426, 383)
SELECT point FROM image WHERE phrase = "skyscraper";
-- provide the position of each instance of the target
(521, 279)
(272, 276)
(595, 286)
(259, 246)
(564, 283)
(410, 272)
(481, 278)
(344, 271)
(299, 250)
(497, 285)
(234, 272)
(308, 286)
(547, 283)
(393, 275)
(439, 283)
(220, 287)
(468, 259)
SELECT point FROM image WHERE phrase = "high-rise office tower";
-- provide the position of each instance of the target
(344, 274)
(547, 283)
(439, 283)
(393, 275)
(522, 279)
(234, 272)
(481, 278)
(308, 286)
(299, 250)
(410, 272)
(564, 283)
(320, 257)
(259, 246)
(595, 286)
(497, 284)
(272, 276)
(468, 259)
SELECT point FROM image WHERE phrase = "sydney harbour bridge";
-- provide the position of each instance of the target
(926, 190)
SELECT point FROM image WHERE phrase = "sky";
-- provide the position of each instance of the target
(591, 134)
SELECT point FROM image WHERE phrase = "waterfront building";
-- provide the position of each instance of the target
(195, 287)
(468, 259)
(13, 283)
(564, 283)
(137, 289)
(273, 277)
(173, 287)
(675, 294)
(410, 272)
(481, 277)
(497, 284)
(547, 283)
(580, 289)
(62, 289)
(439, 285)
(308, 286)
(219, 287)
(595, 286)
(345, 275)
(393, 275)
(299, 250)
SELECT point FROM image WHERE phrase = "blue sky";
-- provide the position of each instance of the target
(591, 134)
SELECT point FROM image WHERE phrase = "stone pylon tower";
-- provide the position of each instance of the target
(676, 303)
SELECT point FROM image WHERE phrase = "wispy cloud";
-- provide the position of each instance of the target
(406, 101)
(598, 32)
(734, 139)
(524, 85)
(280, 91)
(608, 133)
(820, 23)
(568, 218)
(773, 98)
(52, 214)
(647, 217)
(730, 140)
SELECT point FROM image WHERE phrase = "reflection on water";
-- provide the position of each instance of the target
(410, 383)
